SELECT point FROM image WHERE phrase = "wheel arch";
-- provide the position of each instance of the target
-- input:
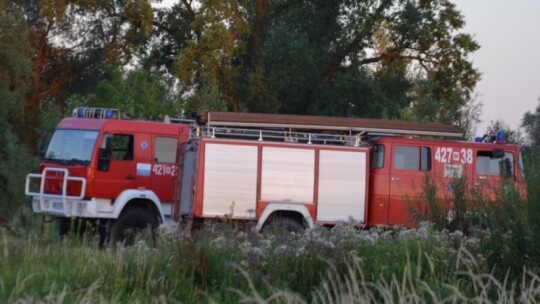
(144, 199)
(295, 211)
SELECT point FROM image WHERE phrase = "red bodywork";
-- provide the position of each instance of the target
(121, 174)
(393, 188)
(392, 183)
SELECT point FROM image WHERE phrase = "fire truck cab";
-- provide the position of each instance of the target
(400, 165)
(101, 168)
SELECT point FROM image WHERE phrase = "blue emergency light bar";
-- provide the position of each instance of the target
(103, 113)
(500, 138)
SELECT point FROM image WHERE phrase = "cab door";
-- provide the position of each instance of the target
(492, 168)
(379, 186)
(410, 164)
(116, 168)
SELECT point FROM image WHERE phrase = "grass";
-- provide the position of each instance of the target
(221, 264)
(491, 258)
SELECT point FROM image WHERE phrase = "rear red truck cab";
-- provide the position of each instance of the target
(399, 167)
(97, 167)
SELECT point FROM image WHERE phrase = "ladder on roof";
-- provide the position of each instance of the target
(310, 129)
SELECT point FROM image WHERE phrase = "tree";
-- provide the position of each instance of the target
(172, 31)
(512, 136)
(470, 117)
(209, 60)
(531, 123)
(370, 58)
(15, 70)
(372, 35)
(73, 41)
(138, 93)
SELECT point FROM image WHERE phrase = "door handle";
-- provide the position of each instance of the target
(482, 177)
(395, 179)
(130, 177)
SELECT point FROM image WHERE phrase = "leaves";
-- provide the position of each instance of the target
(209, 59)
(15, 69)
(531, 123)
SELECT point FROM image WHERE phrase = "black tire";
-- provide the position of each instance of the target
(64, 226)
(132, 224)
(281, 223)
(81, 227)
(77, 226)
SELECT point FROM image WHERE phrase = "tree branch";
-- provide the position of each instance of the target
(366, 31)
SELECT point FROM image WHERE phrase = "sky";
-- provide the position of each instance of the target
(509, 58)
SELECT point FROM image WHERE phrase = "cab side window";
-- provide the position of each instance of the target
(165, 149)
(377, 157)
(412, 158)
(122, 147)
(488, 163)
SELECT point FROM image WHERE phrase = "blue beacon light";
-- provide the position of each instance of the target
(80, 112)
(500, 136)
(109, 113)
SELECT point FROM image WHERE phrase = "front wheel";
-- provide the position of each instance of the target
(133, 224)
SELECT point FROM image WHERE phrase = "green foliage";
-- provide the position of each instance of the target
(225, 265)
(15, 63)
(531, 123)
(368, 59)
(453, 205)
(505, 223)
(137, 93)
(208, 61)
(512, 136)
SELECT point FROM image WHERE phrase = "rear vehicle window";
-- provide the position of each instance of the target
(412, 158)
(165, 149)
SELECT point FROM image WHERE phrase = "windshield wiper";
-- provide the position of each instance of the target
(75, 161)
(53, 160)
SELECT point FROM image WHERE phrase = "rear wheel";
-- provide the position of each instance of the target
(134, 223)
(282, 223)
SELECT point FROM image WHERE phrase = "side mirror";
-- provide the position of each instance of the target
(105, 153)
(507, 168)
(497, 153)
(44, 138)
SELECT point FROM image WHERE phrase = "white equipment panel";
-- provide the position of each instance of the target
(230, 180)
(342, 186)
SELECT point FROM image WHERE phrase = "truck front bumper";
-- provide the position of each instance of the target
(62, 207)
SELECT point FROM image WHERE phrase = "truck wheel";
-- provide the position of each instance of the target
(133, 223)
(281, 223)
(78, 226)
(64, 226)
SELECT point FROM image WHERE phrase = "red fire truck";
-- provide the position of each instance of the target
(269, 169)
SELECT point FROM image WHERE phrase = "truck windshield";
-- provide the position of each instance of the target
(72, 146)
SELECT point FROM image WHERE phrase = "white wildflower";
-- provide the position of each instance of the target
(245, 247)
(219, 242)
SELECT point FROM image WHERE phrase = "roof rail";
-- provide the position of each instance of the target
(168, 119)
(327, 125)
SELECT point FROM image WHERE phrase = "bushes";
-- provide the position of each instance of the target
(226, 265)
(507, 226)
